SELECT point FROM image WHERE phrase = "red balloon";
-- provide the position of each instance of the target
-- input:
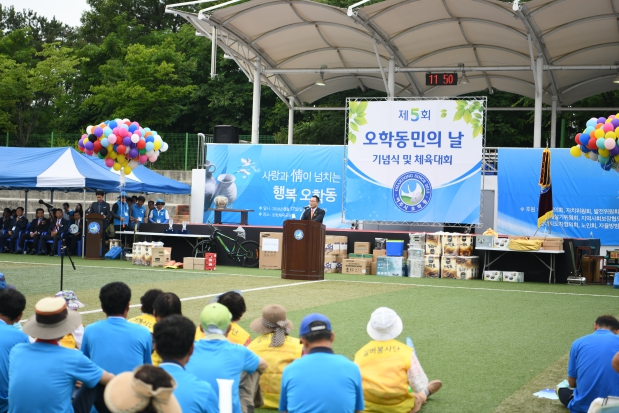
(577, 138)
(141, 144)
(121, 149)
(97, 146)
(593, 143)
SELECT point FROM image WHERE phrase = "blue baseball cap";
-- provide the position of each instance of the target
(314, 322)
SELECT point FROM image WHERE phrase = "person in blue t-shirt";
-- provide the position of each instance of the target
(590, 372)
(12, 305)
(114, 343)
(121, 211)
(138, 213)
(218, 361)
(159, 215)
(320, 381)
(174, 343)
(42, 375)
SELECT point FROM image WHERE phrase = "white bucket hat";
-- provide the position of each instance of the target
(384, 324)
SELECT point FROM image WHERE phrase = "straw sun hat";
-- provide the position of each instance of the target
(52, 319)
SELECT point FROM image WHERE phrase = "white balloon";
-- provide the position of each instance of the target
(135, 138)
(133, 164)
(164, 147)
(593, 156)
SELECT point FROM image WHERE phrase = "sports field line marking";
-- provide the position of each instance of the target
(198, 297)
(344, 281)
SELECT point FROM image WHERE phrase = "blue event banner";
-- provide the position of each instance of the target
(276, 181)
(585, 197)
(415, 160)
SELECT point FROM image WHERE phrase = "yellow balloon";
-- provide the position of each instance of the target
(586, 155)
(125, 162)
(127, 170)
(617, 158)
(599, 133)
(610, 135)
(157, 145)
(117, 166)
(608, 120)
(603, 152)
(575, 151)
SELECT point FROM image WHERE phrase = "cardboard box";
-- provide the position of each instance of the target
(513, 276)
(493, 276)
(552, 245)
(467, 268)
(330, 244)
(330, 265)
(432, 266)
(484, 241)
(362, 248)
(188, 263)
(448, 266)
(198, 263)
(417, 238)
(416, 253)
(415, 267)
(271, 244)
(391, 266)
(160, 255)
(353, 266)
(466, 245)
(364, 256)
(433, 244)
(373, 268)
(500, 242)
(378, 253)
(182, 210)
(450, 244)
(343, 244)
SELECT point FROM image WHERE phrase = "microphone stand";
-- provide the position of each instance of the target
(65, 250)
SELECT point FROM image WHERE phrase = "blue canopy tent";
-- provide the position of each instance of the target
(151, 181)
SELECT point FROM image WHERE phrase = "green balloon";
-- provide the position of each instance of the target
(142, 151)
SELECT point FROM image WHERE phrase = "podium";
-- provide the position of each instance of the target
(303, 253)
(94, 236)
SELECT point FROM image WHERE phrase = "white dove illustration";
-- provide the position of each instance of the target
(416, 195)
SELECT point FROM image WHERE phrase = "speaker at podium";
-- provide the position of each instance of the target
(225, 134)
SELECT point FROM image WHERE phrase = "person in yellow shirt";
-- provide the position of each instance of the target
(73, 340)
(147, 319)
(235, 303)
(276, 347)
(388, 367)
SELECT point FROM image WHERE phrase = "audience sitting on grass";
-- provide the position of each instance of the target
(147, 319)
(590, 371)
(218, 361)
(174, 342)
(43, 375)
(146, 389)
(320, 381)
(114, 344)
(389, 367)
(12, 305)
(72, 340)
(234, 302)
(277, 348)
(165, 305)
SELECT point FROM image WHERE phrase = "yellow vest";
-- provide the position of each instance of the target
(237, 335)
(384, 366)
(68, 341)
(277, 358)
(146, 320)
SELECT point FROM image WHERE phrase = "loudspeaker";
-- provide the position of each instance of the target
(226, 134)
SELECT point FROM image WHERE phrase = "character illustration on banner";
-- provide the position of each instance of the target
(123, 144)
(598, 142)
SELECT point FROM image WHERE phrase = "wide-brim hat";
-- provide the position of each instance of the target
(159, 201)
(272, 313)
(385, 324)
(52, 319)
(123, 193)
(125, 393)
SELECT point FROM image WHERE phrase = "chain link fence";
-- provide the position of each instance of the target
(182, 153)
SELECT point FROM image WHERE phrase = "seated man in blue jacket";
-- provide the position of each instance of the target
(159, 215)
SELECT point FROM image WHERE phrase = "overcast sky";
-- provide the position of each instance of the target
(67, 11)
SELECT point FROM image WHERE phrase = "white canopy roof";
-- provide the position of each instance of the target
(421, 34)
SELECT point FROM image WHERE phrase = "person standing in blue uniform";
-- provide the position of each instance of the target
(159, 215)
(120, 211)
(138, 213)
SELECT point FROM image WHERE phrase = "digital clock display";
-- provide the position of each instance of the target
(441, 79)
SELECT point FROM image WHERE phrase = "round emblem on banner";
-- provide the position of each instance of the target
(298, 235)
(94, 228)
(412, 192)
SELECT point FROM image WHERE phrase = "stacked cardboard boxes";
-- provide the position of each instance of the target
(160, 255)
(336, 251)
(191, 263)
(442, 255)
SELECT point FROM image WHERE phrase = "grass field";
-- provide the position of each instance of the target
(492, 344)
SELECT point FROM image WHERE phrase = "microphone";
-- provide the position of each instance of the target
(49, 206)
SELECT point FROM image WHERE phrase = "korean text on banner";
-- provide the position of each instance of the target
(415, 160)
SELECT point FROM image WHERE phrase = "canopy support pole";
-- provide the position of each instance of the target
(290, 119)
(214, 52)
(553, 123)
(26, 203)
(391, 78)
(84, 226)
(51, 198)
(255, 115)
(537, 131)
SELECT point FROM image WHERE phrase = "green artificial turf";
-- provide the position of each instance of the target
(492, 344)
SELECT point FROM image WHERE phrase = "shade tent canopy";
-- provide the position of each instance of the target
(420, 34)
(62, 169)
(151, 181)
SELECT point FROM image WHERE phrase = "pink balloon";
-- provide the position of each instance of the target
(112, 139)
(610, 143)
(109, 162)
(608, 127)
(152, 158)
(88, 152)
(84, 136)
(143, 159)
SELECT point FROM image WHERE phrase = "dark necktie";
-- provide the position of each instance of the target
(57, 224)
